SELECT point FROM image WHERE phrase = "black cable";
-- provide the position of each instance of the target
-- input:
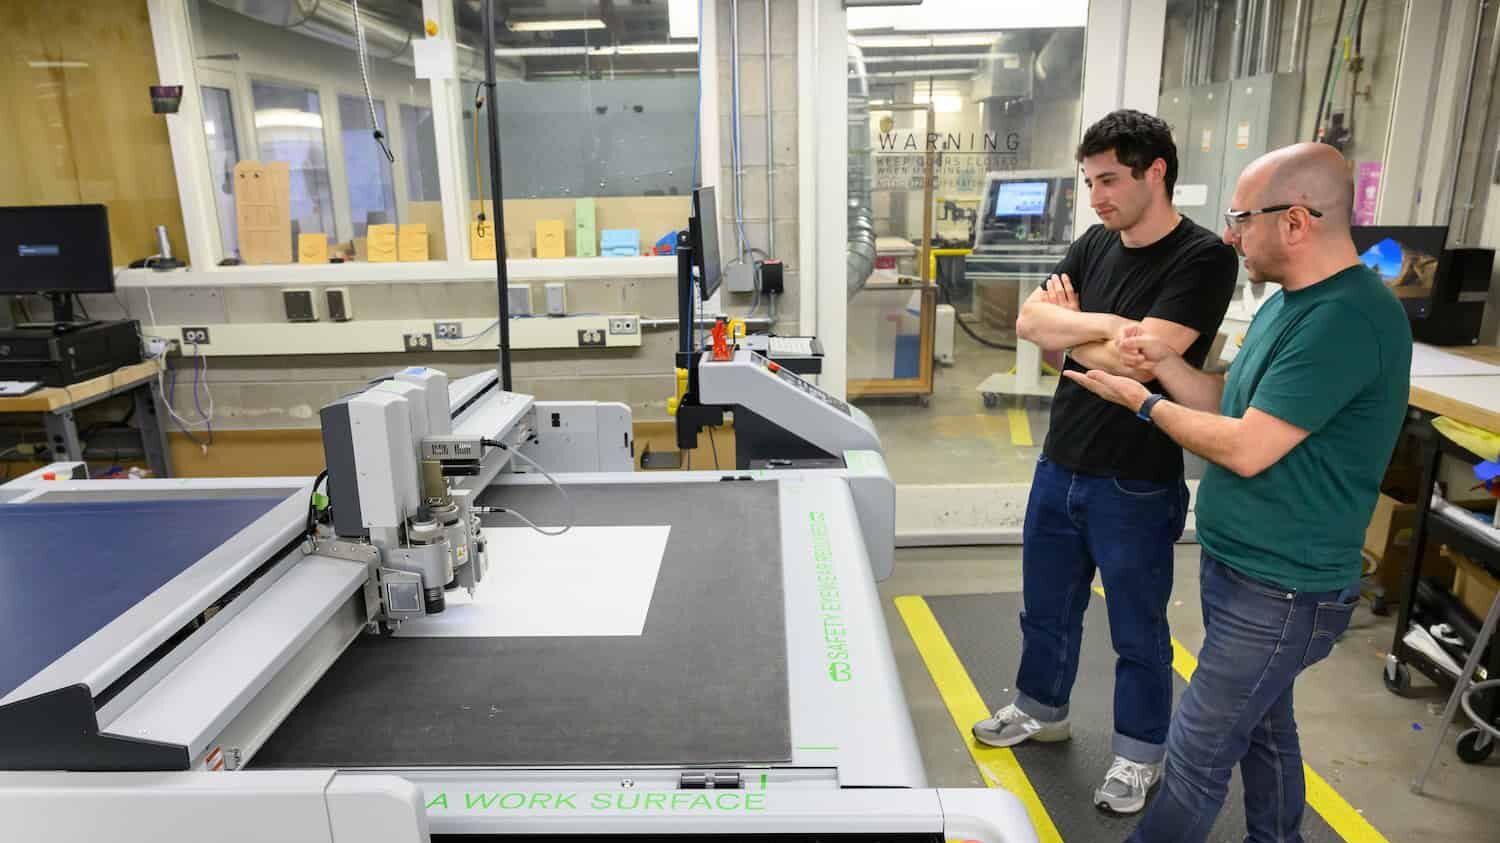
(715, 446)
(1333, 49)
(312, 503)
(948, 299)
(82, 308)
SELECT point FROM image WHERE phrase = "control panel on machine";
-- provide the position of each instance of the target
(806, 387)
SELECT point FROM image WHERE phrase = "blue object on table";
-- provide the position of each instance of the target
(667, 245)
(69, 569)
(620, 242)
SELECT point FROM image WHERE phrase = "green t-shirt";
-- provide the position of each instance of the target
(1333, 359)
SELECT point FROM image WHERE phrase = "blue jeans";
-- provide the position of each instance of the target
(1076, 523)
(1238, 708)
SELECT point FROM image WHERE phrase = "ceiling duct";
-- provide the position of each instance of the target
(860, 257)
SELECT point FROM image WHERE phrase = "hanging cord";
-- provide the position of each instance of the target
(500, 510)
(364, 75)
(478, 182)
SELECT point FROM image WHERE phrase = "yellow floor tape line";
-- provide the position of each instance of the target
(1020, 427)
(1332, 807)
(998, 766)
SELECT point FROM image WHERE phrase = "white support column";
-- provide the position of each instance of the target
(447, 133)
(708, 128)
(172, 36)
(823, 50)
(807, 172)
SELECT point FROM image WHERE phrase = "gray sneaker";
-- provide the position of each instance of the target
(1011, 726)
(1126, 786)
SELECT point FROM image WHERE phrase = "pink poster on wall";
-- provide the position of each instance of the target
(1366, 192)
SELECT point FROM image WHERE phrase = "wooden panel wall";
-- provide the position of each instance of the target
(78, 125)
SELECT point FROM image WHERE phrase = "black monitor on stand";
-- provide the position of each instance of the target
(58, 251)
(697, 263)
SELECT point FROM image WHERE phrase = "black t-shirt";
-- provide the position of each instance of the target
(1187, 277)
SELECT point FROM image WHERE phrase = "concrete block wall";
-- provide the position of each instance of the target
(753, 116)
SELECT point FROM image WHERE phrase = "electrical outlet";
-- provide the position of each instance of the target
(623, 325)
(448, 330)
(591, 338)
(195, 336)
(417, 342)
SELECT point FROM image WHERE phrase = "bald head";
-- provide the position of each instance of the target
(1314, 175)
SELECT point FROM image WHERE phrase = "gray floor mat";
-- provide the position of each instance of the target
(985, 632)
(705, 683)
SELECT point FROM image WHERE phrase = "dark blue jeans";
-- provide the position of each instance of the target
(1075, 524)
(1238, 708)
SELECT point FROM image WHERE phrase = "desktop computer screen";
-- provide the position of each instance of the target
(703, 230)
(1407, 257)
(56, 249)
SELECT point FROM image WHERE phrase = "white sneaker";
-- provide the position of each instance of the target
(1011, 726)
(1126, 786)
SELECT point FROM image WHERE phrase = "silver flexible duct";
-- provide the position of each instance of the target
(860, 260)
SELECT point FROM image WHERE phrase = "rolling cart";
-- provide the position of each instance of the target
(1428, 605)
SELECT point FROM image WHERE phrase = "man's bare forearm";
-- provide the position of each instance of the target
(1105, 354)
(1211, 436)
(1190, 387)
(1055, 328)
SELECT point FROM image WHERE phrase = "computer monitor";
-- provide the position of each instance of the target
(1026, 208)
(703, 230)
(1020, 198)
(1409, 258)
(55, 249)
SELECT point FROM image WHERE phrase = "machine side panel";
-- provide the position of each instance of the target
(287, 807)
(840, 665)
(376, 809)
(989, 815)
(788, 401)
(384, 457)
(578, 436)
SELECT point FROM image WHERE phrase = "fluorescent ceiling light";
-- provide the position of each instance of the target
(620, 50)
(646, 49)
(556, 25)
(45, 64)
(969, 14)
(905, 58)
(872, 102)
(924, 41)
(682, 18)
(952, 71)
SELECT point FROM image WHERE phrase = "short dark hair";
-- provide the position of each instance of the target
(1137, 138)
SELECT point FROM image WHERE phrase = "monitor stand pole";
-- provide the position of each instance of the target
(62, 307)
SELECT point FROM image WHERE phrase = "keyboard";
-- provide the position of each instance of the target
(11, 389)
(791, 347)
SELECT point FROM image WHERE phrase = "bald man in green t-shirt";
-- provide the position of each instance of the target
(1299, 435)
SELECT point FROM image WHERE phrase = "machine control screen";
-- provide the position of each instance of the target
(787, 376)
(1021, 199)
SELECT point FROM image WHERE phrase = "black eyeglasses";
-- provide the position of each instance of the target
(1235, 219)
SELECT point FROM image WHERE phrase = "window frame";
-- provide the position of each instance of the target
(172, 33)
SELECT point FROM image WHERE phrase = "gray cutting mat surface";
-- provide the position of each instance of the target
(705, 683)
(985, 632)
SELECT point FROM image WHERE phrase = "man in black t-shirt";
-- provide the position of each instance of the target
(1108, 494)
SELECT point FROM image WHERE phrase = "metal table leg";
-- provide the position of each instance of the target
(153, 431)
(62, 436)
(1460, 692)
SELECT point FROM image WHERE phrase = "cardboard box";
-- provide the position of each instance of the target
(1388, 543)
(1473, 585)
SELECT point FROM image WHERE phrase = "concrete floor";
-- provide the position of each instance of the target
(1366, 742)
(924, 444)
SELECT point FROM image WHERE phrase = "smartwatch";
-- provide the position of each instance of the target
(1145, 411)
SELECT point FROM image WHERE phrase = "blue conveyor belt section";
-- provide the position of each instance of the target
(69, 569)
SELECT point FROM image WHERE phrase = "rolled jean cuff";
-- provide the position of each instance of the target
(1043, 713)
(1138, 751)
